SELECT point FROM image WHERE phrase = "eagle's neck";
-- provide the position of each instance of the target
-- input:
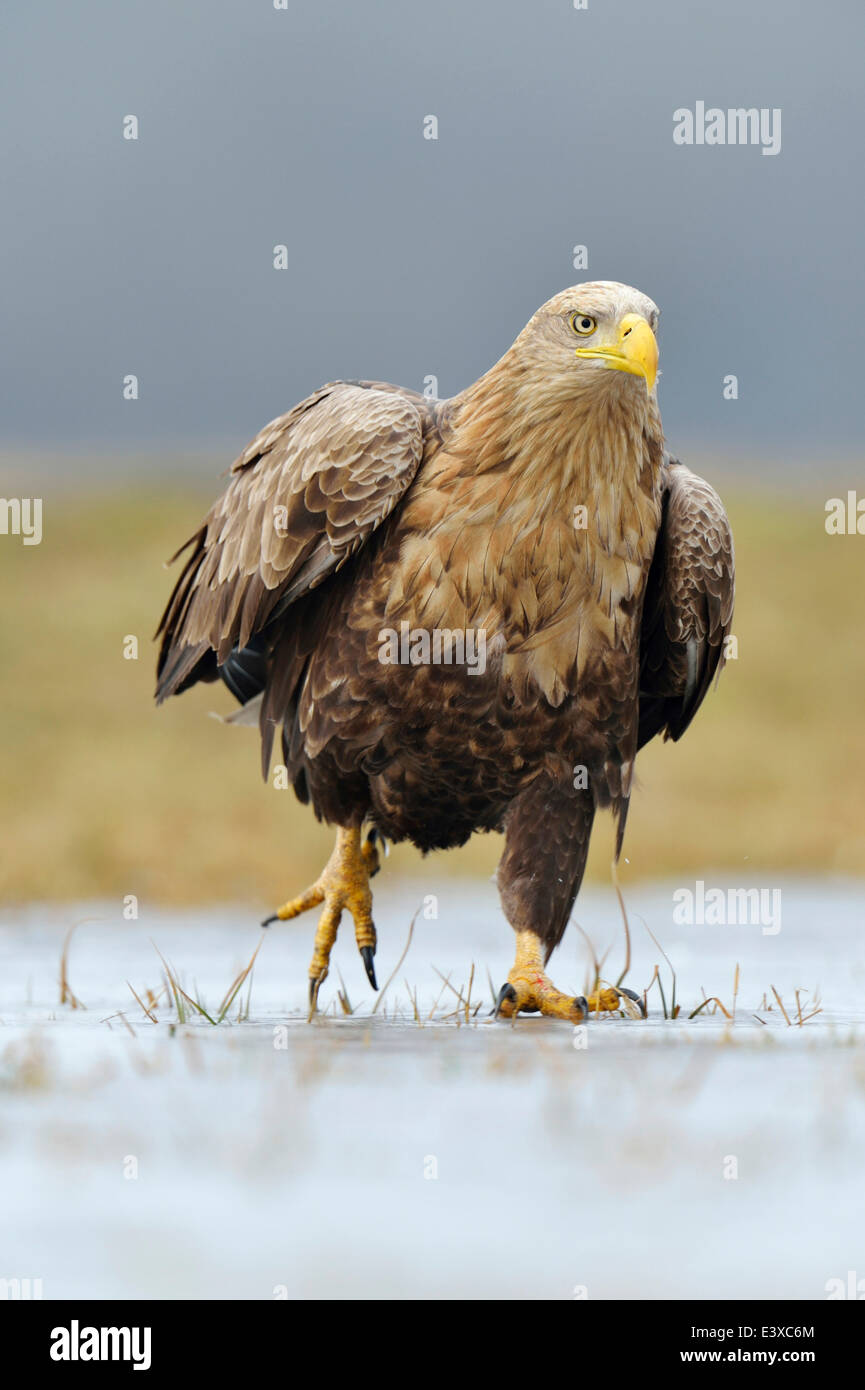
(597, 444)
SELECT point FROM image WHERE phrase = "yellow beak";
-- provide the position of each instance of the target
(636, 350)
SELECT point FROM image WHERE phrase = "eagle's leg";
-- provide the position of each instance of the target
(546, 846)
(343, 884)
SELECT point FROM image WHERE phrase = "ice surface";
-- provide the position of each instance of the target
(371, 1157)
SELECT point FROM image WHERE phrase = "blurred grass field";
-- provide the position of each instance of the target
(102, 795)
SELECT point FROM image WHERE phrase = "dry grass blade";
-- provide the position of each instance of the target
(493, 991)
(817, 1009)
(781, 1006)
(413, 1000)
(67, 994)
(469, 991)
(674, 1007)
(457, 992)
(142, 1005)
(342, 996)
(626, 967)
(713, 999)
(437, 1001)
(124, 1019)
(656, 976)
(179, 993)
(197, 1005)
(171, 987)
(802, 1018)
(595, 962)
(237, 985)
(153, 999)
(387, 982)
(812, 1014)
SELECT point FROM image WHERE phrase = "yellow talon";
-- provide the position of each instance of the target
(342, 885)
(530, 990)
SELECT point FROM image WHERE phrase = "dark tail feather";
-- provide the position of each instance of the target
(178, 670)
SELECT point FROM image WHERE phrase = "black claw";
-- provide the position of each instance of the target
(583, 1003)
(507, 992)
(637, 998)
(314, 984)
(274, 917)
(366, 955)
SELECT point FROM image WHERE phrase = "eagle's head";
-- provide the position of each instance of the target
(592, 339)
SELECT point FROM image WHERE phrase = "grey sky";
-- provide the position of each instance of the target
(408, 256)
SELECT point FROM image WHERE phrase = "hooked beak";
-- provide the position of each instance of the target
(635, 351)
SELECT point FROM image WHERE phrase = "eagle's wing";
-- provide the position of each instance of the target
(304, 496)
(688, 606)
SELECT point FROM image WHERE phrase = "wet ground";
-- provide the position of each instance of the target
(426, 1150)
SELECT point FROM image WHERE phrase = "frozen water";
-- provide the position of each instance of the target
(371, 1157)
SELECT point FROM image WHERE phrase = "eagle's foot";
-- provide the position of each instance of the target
(342, 885)
(530, 990)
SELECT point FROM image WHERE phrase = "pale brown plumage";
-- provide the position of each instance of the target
(367, 506)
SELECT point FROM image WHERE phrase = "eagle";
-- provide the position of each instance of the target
(466, 615)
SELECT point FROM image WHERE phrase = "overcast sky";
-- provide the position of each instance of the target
(410, 257)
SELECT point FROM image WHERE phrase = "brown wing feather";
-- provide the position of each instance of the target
(688, 607)
(303, 497)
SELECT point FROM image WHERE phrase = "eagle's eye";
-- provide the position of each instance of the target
(583, 324)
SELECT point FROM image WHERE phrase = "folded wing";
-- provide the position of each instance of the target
(304, 496)
(688, 607)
